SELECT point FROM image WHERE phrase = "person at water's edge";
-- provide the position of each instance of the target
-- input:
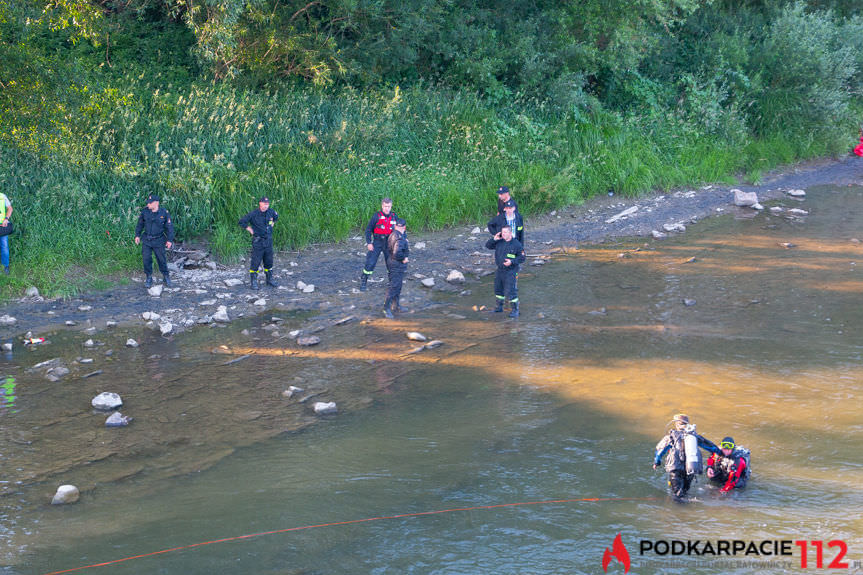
(675, 461)
(259, 223)
(508, 256)
(510, 217)
(155, 233)
(5, 214)
(378, 232)
(397, 265)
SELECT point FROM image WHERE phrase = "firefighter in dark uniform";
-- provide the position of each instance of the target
(260, 223)
(509, 217)
(508, 255)
(377, 232)
(503, 196)
(397, 265)
(154, 232)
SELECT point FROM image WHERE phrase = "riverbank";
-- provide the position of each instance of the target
(333, 269)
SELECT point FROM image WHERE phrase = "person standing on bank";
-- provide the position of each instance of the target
(259, 223)
(377, 233)
(5, 214)
(503, 196)
(397, 264)
(155, 233)
(508, 256)
(510, 217)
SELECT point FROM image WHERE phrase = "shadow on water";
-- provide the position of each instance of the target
(566, 403)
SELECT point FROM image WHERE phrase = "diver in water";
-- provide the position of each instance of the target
(731, 467)
(682, 454)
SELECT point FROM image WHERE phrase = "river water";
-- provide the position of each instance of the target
(567, 403)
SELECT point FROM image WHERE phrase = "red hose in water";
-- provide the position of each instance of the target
(352, 521)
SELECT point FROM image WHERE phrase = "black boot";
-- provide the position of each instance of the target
(148, 283)
(397, 305)
(363, 281)
(253, 276)
(167, 278)
(499, 307)
(387, 311)
(270, 281)
(514, 312)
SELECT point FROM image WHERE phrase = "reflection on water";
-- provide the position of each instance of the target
(566, 403)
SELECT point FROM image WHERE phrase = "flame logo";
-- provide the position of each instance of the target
(619, 552)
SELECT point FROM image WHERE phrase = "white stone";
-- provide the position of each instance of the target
(208, 302)
(106, 401)
(623, 214)
(676, 227)
(110, 323)
(131, 343)
(415, 336)
(309, 288)
(798, 212)
(744, 199)
(455, 277)
(420, 245)
(294, 264)
(233, 282)
(475, 231)
(84, 307)
(293, 333)
(7, 320)
(757, 206)
(796, 193)
(221, 314)
(309, 340)
(261, 302)
(325, 408)
(156, 290)
(150, 316)
(776, 209)
(69, 322)
(32, 291)
(65, 494)
(117, 419)
(7, 347)
(166, 328)
(89, 343)
(657, 235)
(301, 285)
(427, 282)
(433, 344)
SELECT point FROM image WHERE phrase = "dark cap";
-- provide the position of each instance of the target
(503, 190)
(264, 199)
(152, 198)
(727, 440)
(509, 204)
(401, 222)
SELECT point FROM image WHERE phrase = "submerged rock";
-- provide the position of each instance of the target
(65, 494)
(308, 340)
(427, 282)
(106, 401)
(796, 193)
(325, 407)
(117, 419)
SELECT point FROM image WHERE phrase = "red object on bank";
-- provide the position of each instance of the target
(859, 148)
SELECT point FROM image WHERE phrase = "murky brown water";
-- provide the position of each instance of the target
(566, 403)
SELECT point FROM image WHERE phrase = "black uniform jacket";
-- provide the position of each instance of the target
(498, 222)
(155, 225)
(504, 250)
(261, 222)
(397, 244)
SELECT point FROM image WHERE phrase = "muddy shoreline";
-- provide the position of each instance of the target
(334, 269)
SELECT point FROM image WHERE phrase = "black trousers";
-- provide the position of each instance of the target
(397, 275)
(679, 482)
(150, 248)
(379, 244)
(262, 250)
(506, 285)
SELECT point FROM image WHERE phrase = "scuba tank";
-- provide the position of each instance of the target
(690, 448)
(745, 455)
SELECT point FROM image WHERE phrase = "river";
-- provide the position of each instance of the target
(750, 323)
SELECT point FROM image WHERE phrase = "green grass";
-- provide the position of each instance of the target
(325, 159)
